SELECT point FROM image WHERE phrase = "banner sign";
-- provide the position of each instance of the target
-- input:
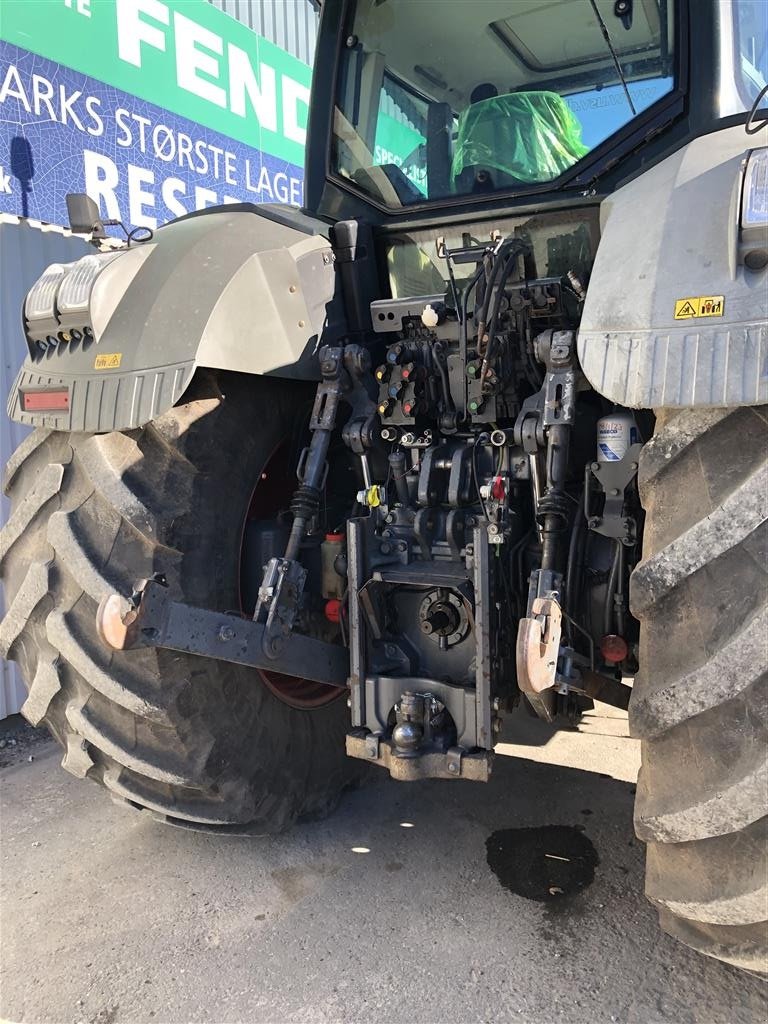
(153, 108)
(400, 144)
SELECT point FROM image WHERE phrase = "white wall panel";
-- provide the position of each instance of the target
(289, 24)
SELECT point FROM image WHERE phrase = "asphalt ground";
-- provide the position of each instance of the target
(107, 917)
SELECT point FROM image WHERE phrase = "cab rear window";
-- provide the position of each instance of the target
(438, 99)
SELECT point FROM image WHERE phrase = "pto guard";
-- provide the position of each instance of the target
(237, 288)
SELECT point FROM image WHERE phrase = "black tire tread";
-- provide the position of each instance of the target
(191, 740)
(700, 699)
(740, 945)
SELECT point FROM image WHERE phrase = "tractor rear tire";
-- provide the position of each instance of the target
(699, 702)
(198, 742)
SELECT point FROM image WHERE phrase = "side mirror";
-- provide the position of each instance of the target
(84, 216)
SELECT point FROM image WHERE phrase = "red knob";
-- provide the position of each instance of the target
(333, 610)
(614, 648)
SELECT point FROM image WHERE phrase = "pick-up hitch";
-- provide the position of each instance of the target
(150, 618)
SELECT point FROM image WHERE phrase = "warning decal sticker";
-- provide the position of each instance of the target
(703, 305)
(108, 361)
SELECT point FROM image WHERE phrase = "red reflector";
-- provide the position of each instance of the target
(614, 648)
(45, 401)
(498, 490)
(333, 610)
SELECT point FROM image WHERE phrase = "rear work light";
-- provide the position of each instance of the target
(753, 214)
(754, 196)
(52, 400)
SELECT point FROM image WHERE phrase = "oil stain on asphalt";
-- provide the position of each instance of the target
(544, 864)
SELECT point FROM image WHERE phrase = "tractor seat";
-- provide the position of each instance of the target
(519, 138)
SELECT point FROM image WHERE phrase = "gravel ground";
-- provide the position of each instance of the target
(19, 741)
(107, 917)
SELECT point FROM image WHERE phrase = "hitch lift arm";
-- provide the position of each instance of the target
(152, 619)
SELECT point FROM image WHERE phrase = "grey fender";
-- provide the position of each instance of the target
(235, 288)
(673, 234)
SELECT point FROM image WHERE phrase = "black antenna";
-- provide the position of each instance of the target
(616, 61)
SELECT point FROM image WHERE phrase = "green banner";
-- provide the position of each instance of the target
(400, 144)
(183, 55)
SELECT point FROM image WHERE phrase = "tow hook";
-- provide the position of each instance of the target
(538, 652)
(538, 645)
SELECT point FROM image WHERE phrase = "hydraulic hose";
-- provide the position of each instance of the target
(498, 291)
(575, 552)
(613, 579)
(498, 266)
(397, 466)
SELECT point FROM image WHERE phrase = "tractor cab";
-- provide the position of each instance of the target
(422, 105)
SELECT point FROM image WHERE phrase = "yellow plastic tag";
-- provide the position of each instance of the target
(108, 361)
(701, 305)
(374, 496)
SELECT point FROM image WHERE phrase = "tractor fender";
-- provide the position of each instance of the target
(674, 317)
(239, 287)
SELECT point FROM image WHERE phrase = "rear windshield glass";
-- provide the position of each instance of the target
(752, 49)
(445, 97)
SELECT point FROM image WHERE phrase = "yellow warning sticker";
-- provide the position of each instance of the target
(702, 305)
(108, 361)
